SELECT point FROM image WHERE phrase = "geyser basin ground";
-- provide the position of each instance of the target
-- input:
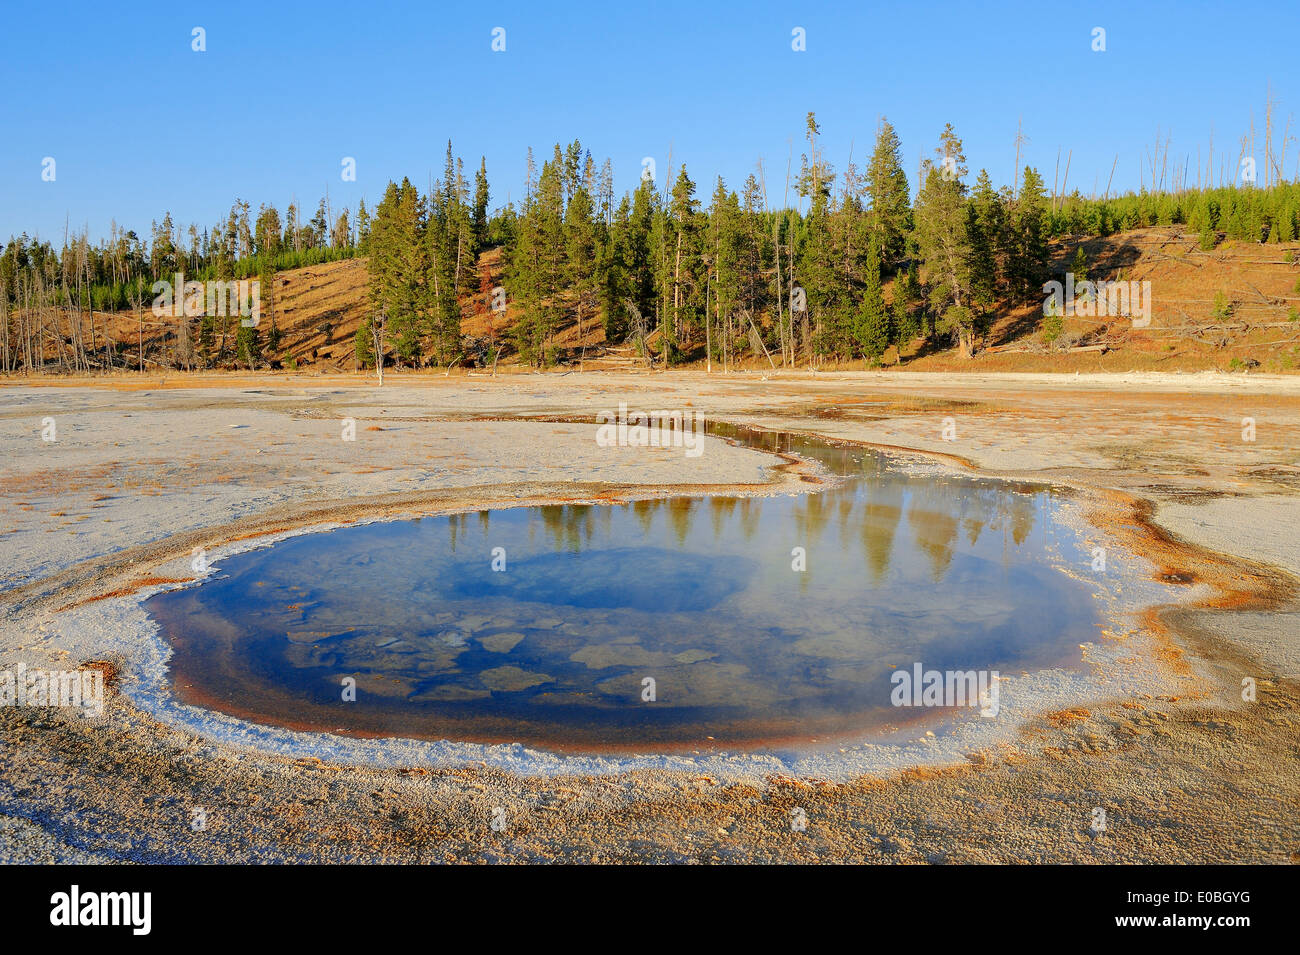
(1188, 771)
(752, 622)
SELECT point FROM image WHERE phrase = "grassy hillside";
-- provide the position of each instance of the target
(318, 309)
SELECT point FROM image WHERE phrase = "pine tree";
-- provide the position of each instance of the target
(581, 241)
(1029, 222)
(981, 264)
(902, 323)
(1285, 226)
(871, 327)
(982, 270)
(1079, 265)
(398, 266)
(943, 240)
(685, 289)
(640, 248)
(613, 269)
(450, 258)
(536, 272)
(268, 232)
(481, 203)
(319, 226)
(816, 176)
(248, 346)
(725, 245)
(273, 338)
(1053, 321)
(988, 266)
(908, 300)
(362, 347)
(891, 209)
(825, 307)
(363, 228)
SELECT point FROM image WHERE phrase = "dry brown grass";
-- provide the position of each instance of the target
(1183, 334)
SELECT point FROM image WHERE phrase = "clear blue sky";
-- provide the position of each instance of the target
(138, 123)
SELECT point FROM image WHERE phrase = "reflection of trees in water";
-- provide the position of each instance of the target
(679, 511)
(995, 508)
(938, 509)
(933, 530)
(679, 516)
(568, 524)
(1022, 517)
(881, 514)
(979, 510)
(939, 513)
(846, 502)
(774, 442)
(751, 509)
(721, 508)
(456, 524)
(645, 512)
(811, 514)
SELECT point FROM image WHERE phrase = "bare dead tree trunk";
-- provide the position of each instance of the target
(377, 337)
(708, 337)
(759, 338)
(137, 299)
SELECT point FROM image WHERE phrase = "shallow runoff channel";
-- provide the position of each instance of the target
(880, 605)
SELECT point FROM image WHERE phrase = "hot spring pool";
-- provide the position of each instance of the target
(554, 647)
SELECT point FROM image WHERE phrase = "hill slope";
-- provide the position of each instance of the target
(319, 308)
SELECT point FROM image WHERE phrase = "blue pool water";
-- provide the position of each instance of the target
(697, 595)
